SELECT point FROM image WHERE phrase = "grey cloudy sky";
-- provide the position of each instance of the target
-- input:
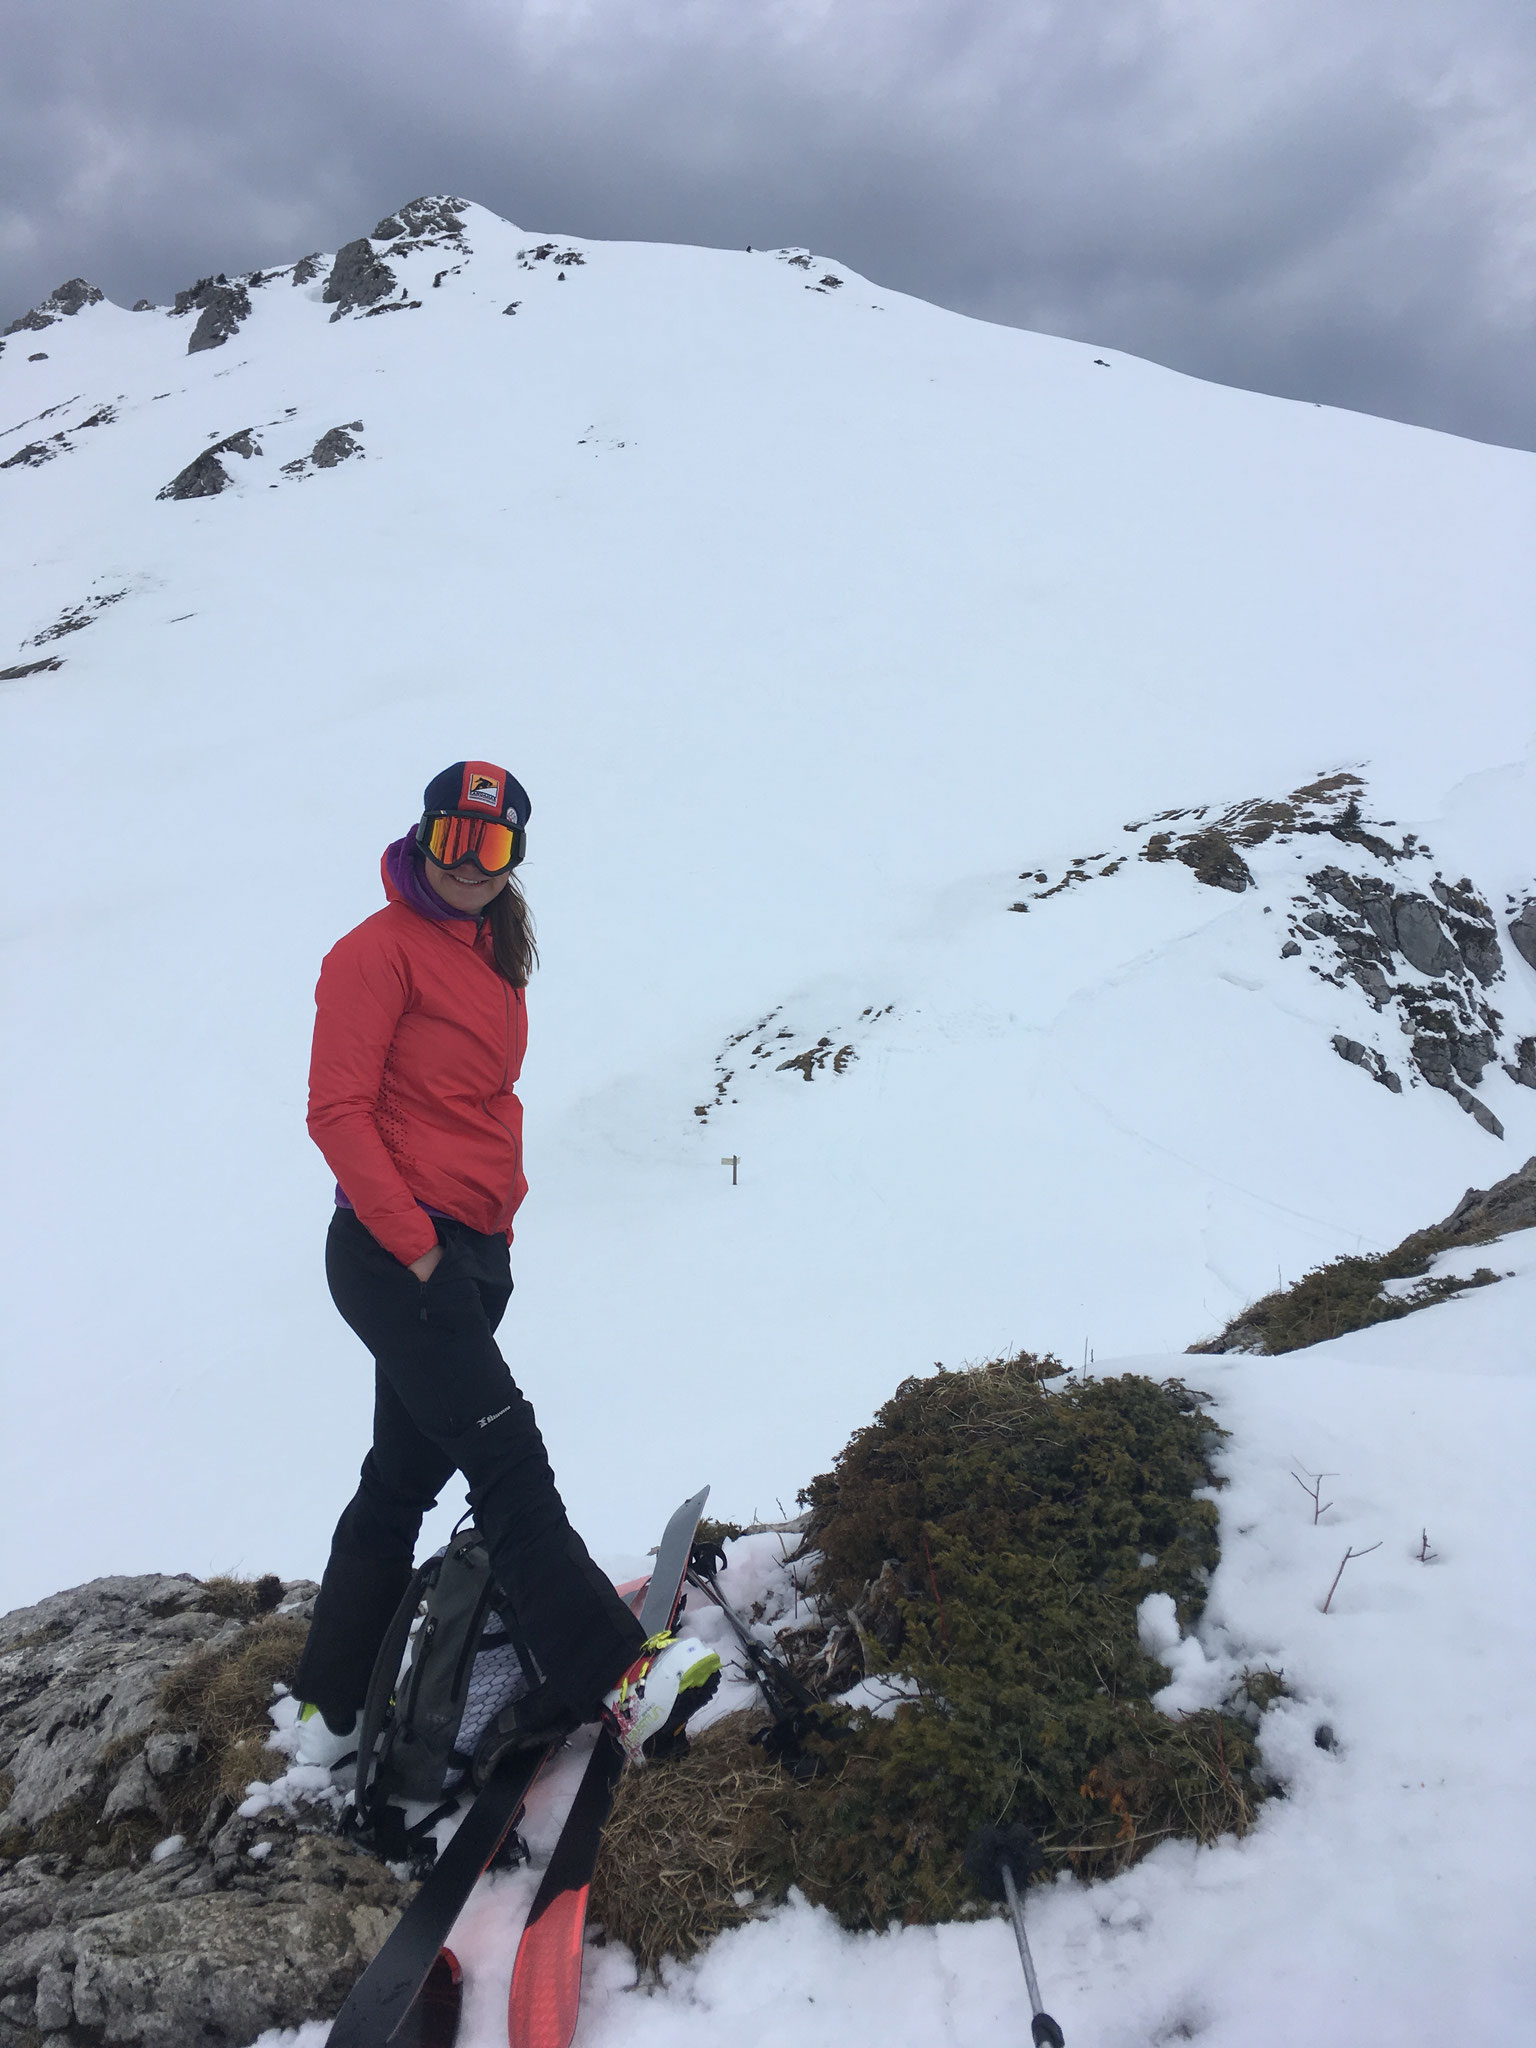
(1331, 199)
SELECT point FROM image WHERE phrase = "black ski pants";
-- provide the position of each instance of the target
(444, 1400)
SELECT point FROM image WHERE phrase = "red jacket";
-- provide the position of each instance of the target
(418, 1041)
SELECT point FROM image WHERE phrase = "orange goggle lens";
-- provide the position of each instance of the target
(452, 842)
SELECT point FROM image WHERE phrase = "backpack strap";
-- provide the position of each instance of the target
(381, 1686)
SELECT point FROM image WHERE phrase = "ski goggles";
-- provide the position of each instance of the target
(451, 841)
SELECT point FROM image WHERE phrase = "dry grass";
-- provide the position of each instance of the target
(676, 1850)
(224, 1695)
(241, 1599)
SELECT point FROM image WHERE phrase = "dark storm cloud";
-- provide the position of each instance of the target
(1325, 198)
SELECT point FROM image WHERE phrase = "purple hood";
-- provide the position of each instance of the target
(403, 867)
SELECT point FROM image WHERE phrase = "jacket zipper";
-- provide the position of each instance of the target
(506, 1069)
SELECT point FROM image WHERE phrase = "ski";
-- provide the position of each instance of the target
(384, 1995)
(433, 2018)
(546, 1976)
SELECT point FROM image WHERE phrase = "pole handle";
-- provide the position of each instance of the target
(1046, 2032)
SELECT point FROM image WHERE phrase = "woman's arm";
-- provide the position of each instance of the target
(359, 1000)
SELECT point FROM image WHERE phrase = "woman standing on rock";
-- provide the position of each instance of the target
(419, 1033)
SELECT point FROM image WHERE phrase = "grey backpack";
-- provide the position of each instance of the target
(450, 1661)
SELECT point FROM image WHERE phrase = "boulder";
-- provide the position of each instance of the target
(357, 278)
(224, 306)
(1522, 931)
(1421, 937)
(336, 446)
(205, 476)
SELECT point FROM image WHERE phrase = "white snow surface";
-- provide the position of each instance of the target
(811, 617)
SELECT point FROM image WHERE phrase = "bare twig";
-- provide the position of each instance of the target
(1426, 1555)
(1340, 1572)
(1319, 1507)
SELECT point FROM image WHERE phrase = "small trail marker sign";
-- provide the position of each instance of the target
(732, 1162)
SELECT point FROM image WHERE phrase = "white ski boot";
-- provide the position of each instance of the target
(668, 1682)
(319, 1743)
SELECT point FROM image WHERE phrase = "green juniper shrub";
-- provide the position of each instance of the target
(986, 1542)
(1344, 1295)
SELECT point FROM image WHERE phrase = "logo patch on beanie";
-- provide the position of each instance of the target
(482, 789)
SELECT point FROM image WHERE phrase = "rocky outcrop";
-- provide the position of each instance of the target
(307, 269)
(1522, 931)
(205, 476)
(220, 307)
(432, 222)
(69, 298)
(1368, 929)
(225, 306)
(143, 1898)
(1484, 1213)
(336, 445)
(1424, 955)
(357, 278)
(197, 1948)
(1211, 854)
(1358, 1055)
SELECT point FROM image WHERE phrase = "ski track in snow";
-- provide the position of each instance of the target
(864, 616)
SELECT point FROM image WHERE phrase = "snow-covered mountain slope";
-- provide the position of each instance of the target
(816, 620)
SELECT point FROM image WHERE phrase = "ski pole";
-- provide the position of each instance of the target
(991, 1858)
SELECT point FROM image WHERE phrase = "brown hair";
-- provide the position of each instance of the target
(511, 924)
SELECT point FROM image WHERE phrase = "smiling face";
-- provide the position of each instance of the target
(465, 888)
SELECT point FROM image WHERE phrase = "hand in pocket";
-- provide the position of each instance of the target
(427, 1264)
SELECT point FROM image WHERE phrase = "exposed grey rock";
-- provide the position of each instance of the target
(35, 454)
(143, 305)
(205, 476)
(170, 1752)
(224, 306)
(1522, 1068)
(1373, 981)
(195, 295)
(61, 303)
(134, 1793)
(429, 219)
(357, 278)
(167, 1954)
(71, 297)
(1510, 1204)
(69, 1686)
(1522, 930)
(1470, 926)
(306, 269)
(1371, 926)
(1373, 1062)
(336, 446)
(30, 668)
(1421, 938)
(243, 442)
(208, 1945)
